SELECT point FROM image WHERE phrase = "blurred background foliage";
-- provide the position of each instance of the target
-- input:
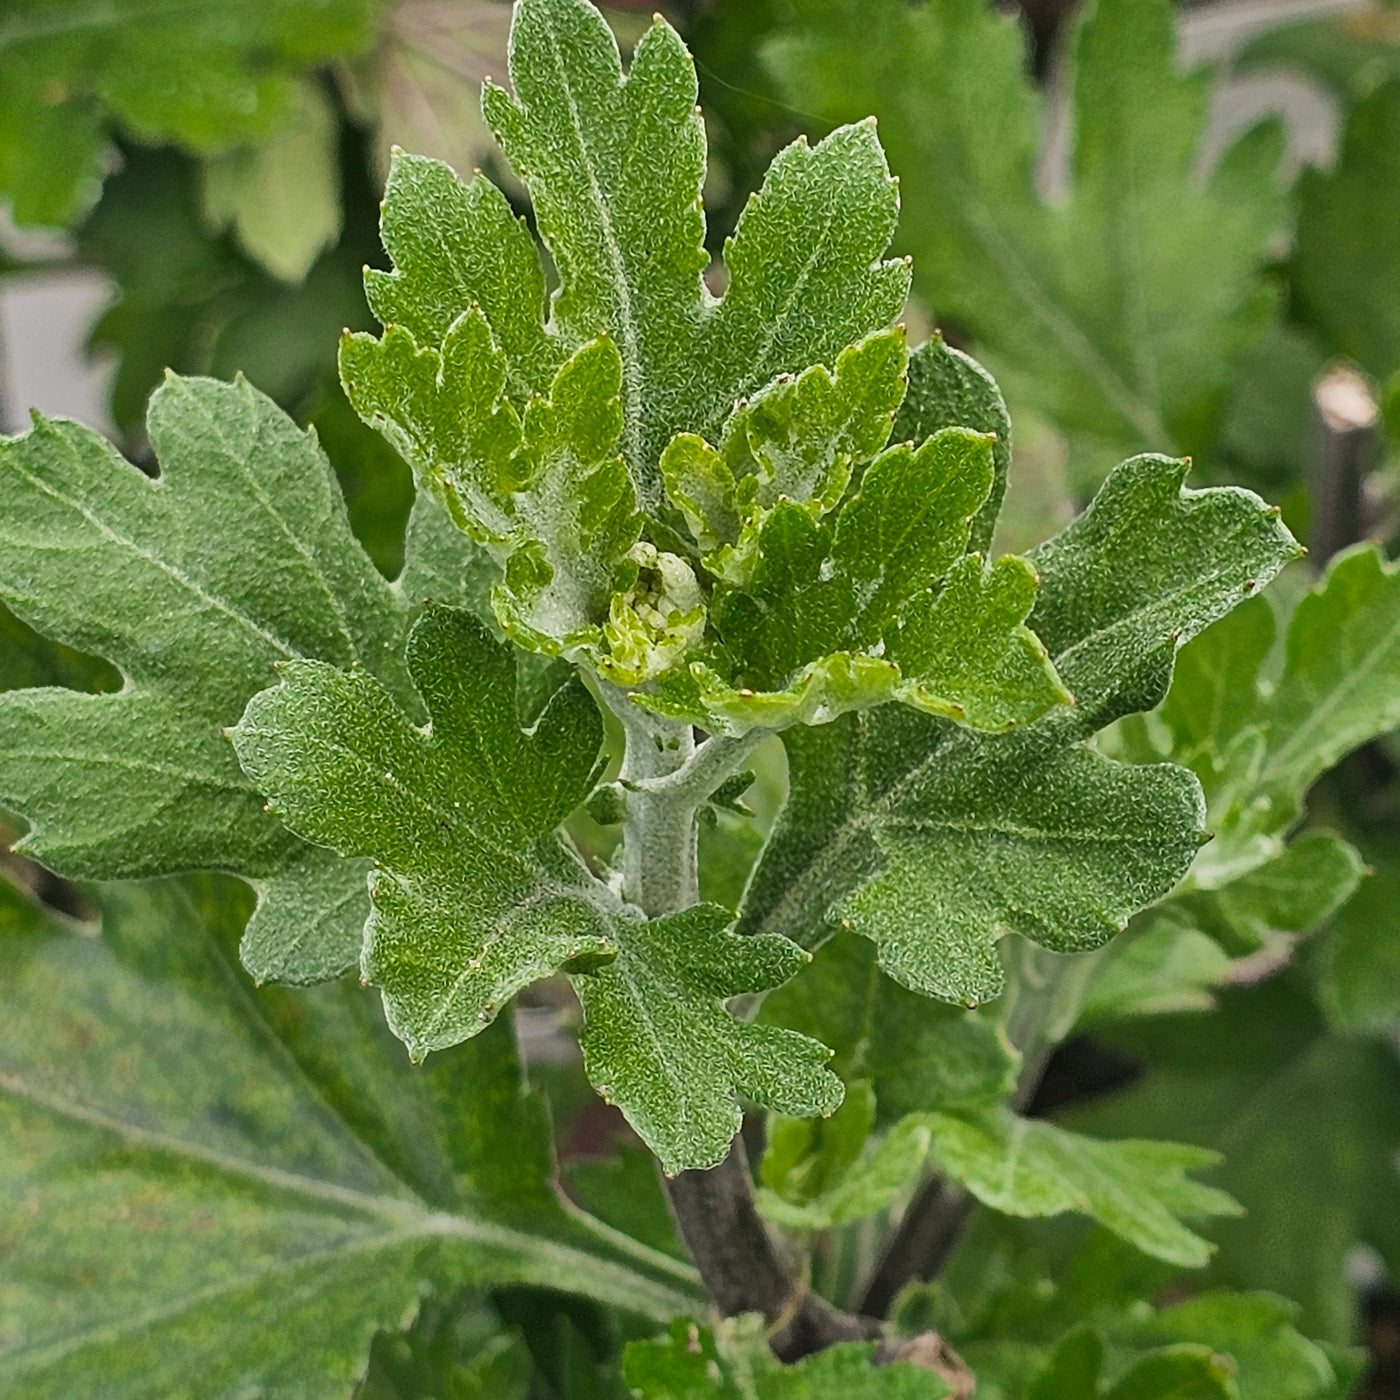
(1149, 254)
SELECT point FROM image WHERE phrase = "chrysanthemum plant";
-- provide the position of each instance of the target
(666, 510)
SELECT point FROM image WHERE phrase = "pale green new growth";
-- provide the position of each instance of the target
(1138, 1189)
(731, 416)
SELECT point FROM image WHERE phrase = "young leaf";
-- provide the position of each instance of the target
(659, 1043)
(455, 246)
(1120, 311)
(473, 897)
(1139, 1190)
(817, 1176)
(194, 585)
(688, 1365)
(932, 841)
(614, 165)
(882, 604)
(948, 389)
(227, 1190)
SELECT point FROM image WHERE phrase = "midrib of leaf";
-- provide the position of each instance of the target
(631, 363)
(543, 1259)
(1027, 833)
(779, 322)
(133, 765)
(255, 487)
(1058, 320)
(384, 777)
(179, 576)
(498, 929)
(327, 916)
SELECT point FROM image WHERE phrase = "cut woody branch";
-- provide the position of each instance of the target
(1347, 423)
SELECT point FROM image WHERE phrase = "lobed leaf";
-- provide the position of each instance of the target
(194, 585)
(658, 1041)
(932, 841)
(1139, 1190)
(472, 896)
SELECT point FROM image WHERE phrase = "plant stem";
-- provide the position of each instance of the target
(668, 778)
(919, 1248)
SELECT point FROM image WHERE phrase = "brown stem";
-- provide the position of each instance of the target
(741, 1265)
(920, 1246)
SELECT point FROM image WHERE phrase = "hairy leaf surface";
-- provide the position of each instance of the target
(931, 841)
(224, 1189)
(195, 585)
(474, 897)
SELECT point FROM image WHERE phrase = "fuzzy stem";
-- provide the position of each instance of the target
(668, 778)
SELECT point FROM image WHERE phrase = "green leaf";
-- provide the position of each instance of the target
(1308, 1126)
(206, 78)
(1120, 309)
(195, 586)
(1139, 1190)
(688, 1365)
(917, 1056)
(658, 1041)
(1349, 55)
(614, 168)
(797, 439)
(455, 246)
(1356, 962)
(578, 515)
(816, 1176)
(614, 165)
(1073, 1370)
(282, 197)
(1029, 1315)
(1178, 1373)
(1258, 741)
(949, 389)
(884, 604)
(1346, 271)
(226, 1189)
(473, 898)
(932, 841)
(1163, 963)
(1271, 1359)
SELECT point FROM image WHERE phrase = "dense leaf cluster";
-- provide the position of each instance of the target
(674, 514)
